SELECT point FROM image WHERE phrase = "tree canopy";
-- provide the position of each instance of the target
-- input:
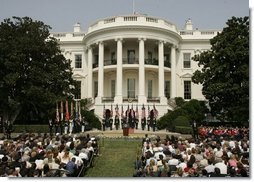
(33, 72)
(225, 71)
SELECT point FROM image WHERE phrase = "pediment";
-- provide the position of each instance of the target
(187, 75)
(78, 76)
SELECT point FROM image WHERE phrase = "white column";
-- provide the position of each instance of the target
(161, 81)
(173, 73)
(141, 94)
(100, 73)
(119, 71)
(90, 72)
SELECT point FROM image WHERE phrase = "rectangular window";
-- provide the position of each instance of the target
(78, 61)
(150, 88)
(187, 89)
(95, 89)
(131, 88)
(131, 56)
(113, 88)
(78, 90)
(186, 60)
(167, 89)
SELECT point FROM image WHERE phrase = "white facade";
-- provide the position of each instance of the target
(135, 60)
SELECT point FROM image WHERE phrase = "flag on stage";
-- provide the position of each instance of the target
(132, 112)
(111, 112)
(79, 111)
(67, 114)
(128, 111)
(137, 114)
(62, 117)
(71, 110)
(148, 112)
(155, 112)
(117, 110)
(57, 113)
(143, 112)
(122, 115)
(76, 109)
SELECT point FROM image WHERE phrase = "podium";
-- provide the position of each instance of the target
(126, 131)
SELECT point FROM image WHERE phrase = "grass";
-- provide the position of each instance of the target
(116, 159)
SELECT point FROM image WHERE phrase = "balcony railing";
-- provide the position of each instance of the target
(109, 62)
(130, 61)
(95, 65)
(154, 61)
(151, 61)
(130, 99)
(107, 99)
(153, 99)
(167, 64)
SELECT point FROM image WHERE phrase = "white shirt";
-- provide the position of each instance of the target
(173, 161)
(223, 167)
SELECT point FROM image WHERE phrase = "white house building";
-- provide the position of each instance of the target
(135, 60)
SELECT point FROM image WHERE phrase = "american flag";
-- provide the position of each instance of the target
(111, 112)
(61, 110)
(67, 114)
(57, 112)
(148, 112)
(117, 110)
(155, 112)
(143, 112)
(71, 110)
(132, 112)
(128, 111)
(79, 110)
(122, 115)
(76, 109)
(137, 115)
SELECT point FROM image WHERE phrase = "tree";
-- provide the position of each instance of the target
(189, 110)
(225, 71)
(33, 72)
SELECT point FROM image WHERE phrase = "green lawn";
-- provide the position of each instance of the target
(116, 159)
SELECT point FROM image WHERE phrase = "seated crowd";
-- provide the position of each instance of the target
(213, 154)
(30, 155)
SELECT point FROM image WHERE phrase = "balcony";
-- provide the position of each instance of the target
(130, 61)
(151, 61)
(95, 65)
(107, 99)
(109, 62)
(167, 64)
(153, 99)
(130, 99)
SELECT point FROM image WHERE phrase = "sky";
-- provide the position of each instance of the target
(61, 15)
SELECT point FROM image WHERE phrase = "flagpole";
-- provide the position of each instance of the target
(133, 7)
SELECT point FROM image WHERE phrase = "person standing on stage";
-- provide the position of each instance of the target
(50, 126)
(117, 122)
(83, 124)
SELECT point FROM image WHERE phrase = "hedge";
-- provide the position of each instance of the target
(183, 130)
(31, 128)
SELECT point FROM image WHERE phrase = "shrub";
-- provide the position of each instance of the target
(182, 121)
(93, 121)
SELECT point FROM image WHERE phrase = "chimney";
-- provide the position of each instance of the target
(77, 28)
(188, 25)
